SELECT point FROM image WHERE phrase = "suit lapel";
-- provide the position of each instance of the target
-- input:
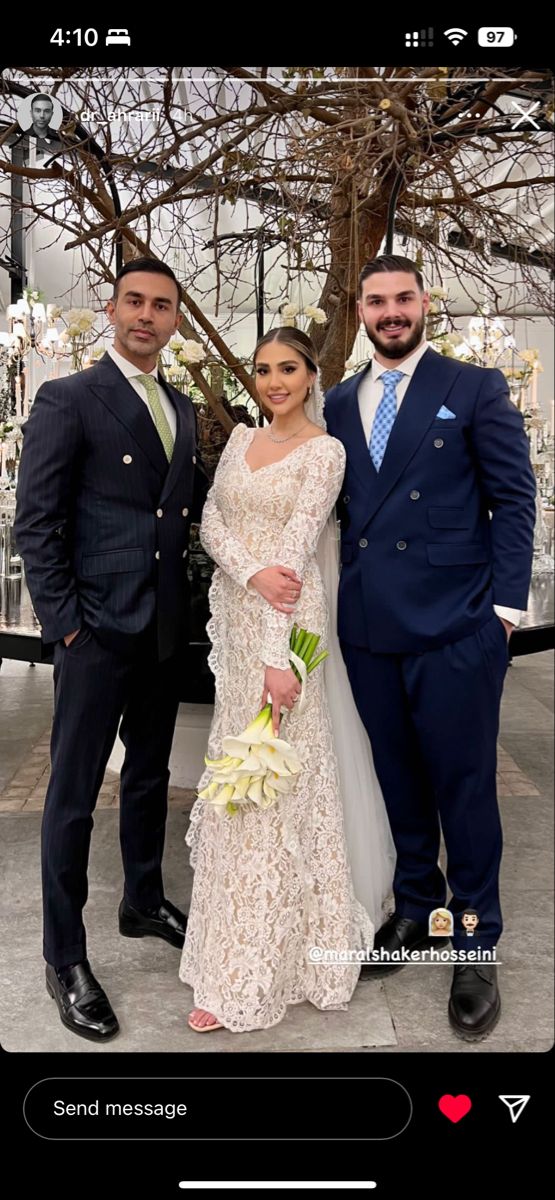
(425, 394)
(118, 395)
(184, 446)
(358, 455)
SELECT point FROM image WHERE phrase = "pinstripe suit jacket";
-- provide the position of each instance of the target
(102, 519)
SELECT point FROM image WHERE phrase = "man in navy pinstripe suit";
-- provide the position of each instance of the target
(109, 482)
(437, 526)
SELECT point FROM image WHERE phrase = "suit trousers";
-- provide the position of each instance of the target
(93, 688)
(433, 719)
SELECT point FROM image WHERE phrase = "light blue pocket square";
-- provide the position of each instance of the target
(445, 414)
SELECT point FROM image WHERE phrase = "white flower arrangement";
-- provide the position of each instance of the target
(81, 319)
(191, 351)
(315, 314)
(79, 323)
(532, 358)
(289, 313)
(258, 767)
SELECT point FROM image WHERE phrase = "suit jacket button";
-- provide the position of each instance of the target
(184, 512)
(194, 458)
(159, 512)
(363, 543)
(157, 555)
(438, 443)
(415, 495)
(346, 499)
(127, 458)
(401, 545)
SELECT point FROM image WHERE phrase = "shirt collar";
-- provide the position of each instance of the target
(408, 367)
(128, 368)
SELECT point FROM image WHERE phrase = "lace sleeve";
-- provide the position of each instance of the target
(227, 550)
(316, 498)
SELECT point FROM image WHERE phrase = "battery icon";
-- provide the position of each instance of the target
(499, 36)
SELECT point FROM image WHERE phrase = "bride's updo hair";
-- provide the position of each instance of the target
(295, 339)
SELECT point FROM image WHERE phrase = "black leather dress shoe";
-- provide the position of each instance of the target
(399, 932)
(83, 1005)
(164, 921)
(474, 1004)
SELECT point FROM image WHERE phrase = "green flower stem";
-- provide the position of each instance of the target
(317, 661)
(304, 644)
(296, 639)
(313, 642)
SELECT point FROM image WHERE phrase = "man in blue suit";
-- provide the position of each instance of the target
(437, 514)
(109, 482)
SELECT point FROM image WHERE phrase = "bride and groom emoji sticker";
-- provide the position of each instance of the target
(441, 922)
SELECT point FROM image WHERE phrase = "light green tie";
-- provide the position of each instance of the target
(160, 418)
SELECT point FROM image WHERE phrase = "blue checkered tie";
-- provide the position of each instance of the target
(385, 416)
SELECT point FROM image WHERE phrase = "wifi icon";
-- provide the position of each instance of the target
(455, 35)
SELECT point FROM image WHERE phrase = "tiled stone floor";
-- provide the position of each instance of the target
(406, 1012)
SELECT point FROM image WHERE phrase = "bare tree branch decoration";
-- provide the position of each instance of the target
(303, 161)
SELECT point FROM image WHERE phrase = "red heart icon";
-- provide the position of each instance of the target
(455, 1107)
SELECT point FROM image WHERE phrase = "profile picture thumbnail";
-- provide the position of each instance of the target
(40, 115)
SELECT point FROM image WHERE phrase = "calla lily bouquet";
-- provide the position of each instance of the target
(256, 767)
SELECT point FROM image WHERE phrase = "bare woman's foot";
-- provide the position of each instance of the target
(202, 1021)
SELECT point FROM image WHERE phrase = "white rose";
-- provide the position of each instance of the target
(289, 312)
(315, 314)
(439, 293)
(192, 351)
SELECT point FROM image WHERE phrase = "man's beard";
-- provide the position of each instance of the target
(401, 347)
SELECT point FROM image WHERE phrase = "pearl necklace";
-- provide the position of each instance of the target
(280, 441)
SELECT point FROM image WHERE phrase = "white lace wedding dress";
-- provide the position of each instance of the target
(270, 885)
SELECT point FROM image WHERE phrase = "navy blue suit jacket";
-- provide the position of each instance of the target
(423, 561)
(102, 519)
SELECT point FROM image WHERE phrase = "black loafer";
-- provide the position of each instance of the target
(398, 933)
(475, 1003)
(83, 1005)
(164, 921)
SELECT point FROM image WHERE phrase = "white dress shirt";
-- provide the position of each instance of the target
(370, 392)
(130, 371)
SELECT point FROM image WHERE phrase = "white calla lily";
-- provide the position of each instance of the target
(282, 783)
(241, 788)
(254, 792)
(210, 791)
(224, 795)
(255, 766)
(280, 757)
(252, 765)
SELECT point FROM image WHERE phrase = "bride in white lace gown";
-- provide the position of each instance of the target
(272, 888)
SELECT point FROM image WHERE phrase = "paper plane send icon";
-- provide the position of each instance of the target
(515, 1105)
